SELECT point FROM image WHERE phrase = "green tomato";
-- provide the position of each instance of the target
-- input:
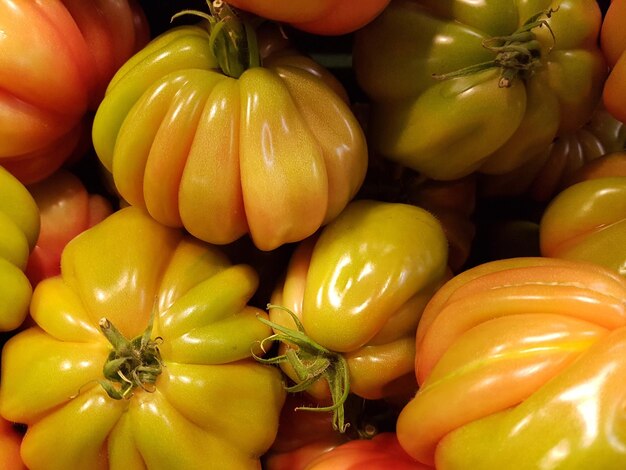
(477, 85)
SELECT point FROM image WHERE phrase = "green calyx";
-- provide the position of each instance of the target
(517, 55)
(132, 363)
(311, 362)
(232, 37)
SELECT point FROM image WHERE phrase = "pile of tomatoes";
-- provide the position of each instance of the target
(308, 235)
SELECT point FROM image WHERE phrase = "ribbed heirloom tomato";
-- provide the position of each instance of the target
(66, 209)
(57, 58)
(521, 366)
(543, 176)
(140, 357)
(463, 86)
(266, 146)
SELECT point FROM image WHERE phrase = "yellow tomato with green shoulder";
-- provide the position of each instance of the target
(463, 86)
(351, 299)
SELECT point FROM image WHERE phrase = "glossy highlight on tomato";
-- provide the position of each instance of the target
(514, 349)
(547, 173)
(274, 153)
(312, 235)
(477, 86)
(587, 220)
(64, 53)
(142, 359)
(357, 293)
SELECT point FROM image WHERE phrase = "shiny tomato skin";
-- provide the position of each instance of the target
(587, 219)
(275, 153)
(381, 452)
(189, 304)
(73, 50)
(442, 104)
(324, 17)
(507, 349)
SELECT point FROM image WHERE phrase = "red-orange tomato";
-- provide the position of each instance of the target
(10, 440)
(299, 458)
(325, 17)
(380, 452)
(66, 209)
(64, 53)
(613, 41)
(302, 436)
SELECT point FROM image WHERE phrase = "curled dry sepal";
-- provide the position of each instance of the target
(311, 362)
(132, 363)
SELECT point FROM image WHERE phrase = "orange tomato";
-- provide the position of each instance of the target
(613, 42)
(325, 17)
(66, 209)
(10, 440)
(521, 360)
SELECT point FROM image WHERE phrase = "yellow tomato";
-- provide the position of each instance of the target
(140, 357)
(19, 229)
(357, 293)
